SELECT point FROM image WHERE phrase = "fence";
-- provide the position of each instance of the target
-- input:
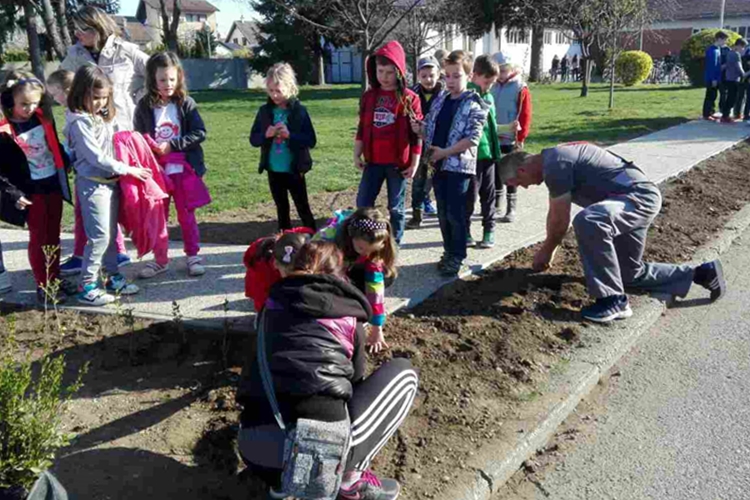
(201, 74)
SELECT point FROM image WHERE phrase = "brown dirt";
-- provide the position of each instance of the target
(156, 416)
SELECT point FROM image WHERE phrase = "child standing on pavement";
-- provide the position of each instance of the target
(713, 74)
(90, 133)
(513, 110)
(429, 86)
(482, 185)
(33, 180)
(390, 148)
(452, 132)
(733, 75)
(170, 116)
(285, 135)
(58, 86)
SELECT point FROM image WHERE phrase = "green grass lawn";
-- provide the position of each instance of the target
(559, 115)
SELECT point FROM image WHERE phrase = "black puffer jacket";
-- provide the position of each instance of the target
(315, 348)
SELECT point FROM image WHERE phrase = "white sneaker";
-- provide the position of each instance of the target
(152, 269)
(5, 284)
(195, 268)
(92, 295)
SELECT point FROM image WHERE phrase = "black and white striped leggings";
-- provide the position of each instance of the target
(378, 407)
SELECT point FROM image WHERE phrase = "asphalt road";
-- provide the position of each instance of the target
(675, 422)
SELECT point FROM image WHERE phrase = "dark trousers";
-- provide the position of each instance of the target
(709, 103)
(740, 103)
(731, 88)
(284, 184)
(505, 149)
(420, 187)
(377, 409)
(482, 185)
(451, 190)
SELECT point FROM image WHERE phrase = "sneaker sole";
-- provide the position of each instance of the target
(92, 304)
(612, 317)
(156, 273)
(69, 272)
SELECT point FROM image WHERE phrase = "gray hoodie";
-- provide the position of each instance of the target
(92, 151)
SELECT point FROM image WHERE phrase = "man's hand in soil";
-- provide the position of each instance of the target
(375, 340)
(543, 259)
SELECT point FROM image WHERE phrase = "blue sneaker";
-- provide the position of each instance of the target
(710, 276)
(72, 266)
(123, 260)
(608, 309)
(429, 208)
(118, 285)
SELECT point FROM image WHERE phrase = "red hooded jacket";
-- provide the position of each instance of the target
(407, 142)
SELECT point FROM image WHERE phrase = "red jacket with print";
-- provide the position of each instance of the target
(407, 142)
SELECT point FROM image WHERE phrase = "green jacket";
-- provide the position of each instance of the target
(489, 145)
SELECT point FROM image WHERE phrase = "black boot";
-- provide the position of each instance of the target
(416, 220)
(510, 214)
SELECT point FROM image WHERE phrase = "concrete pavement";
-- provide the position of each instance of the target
(661, 155)
(676, 424)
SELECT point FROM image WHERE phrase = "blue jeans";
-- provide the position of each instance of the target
(369, 189)
(451, 193)
(421, 187)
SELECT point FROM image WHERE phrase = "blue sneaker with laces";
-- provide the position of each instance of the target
(72, 266)
(118, 285)
(123, 260)
(608, 309)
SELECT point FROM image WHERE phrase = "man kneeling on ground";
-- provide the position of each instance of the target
(619, 204)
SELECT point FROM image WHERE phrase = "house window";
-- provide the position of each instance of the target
(561, 39)
(448, 38)
(244, 41)
(517, 36)
(696, 30)
(236, 41)
(547, 38)
(202, 18)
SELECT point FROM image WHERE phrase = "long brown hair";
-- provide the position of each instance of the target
(370, 225)
(94, 18)
(164, 60)
(15, 83)
(319, 257)
(81, 96)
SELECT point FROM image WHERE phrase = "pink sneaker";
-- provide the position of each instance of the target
(369, 487)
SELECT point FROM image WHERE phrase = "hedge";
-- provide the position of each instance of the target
(693, 53)
(633, 66)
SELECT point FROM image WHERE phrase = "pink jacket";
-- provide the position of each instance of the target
(141, 203)
(192, 191)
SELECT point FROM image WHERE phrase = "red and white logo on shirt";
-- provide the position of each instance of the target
(166, 131)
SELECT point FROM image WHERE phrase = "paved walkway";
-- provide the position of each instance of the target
(661, 155)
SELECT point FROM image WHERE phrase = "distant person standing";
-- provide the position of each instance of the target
(733, 75)
(564, 66)
(712, 75)
(742, 105)
(440, 56)
(555, 68)
(575, 68)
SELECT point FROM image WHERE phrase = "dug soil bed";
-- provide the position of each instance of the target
(156, 416)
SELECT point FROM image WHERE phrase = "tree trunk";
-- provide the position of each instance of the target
(170, 29)
(319, 78)
(62, 21)
(53, 32)
(586, 65)
(537, 53)
(612, 86)
(35, 53)
(365, 53)
(176, 11)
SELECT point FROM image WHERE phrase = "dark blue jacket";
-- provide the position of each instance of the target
(712, 70)
(301, 135)
(192, 131)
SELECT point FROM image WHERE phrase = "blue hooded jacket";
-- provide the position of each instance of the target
(712, 71)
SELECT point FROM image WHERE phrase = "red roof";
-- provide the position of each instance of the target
(686, 10)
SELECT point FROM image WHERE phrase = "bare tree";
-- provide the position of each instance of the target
(53, 29)
(369, 22)
(421, 31)
(62, 21)
(169, 27)
(35, 52)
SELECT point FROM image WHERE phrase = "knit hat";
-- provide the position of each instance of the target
(427, 62)
(502, 59)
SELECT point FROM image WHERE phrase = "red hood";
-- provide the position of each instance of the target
(395, 53)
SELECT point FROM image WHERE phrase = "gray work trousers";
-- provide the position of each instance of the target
(611, 238)
(100, 205)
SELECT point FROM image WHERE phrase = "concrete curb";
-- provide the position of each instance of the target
(498, 460)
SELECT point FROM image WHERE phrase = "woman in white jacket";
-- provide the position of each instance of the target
(123, 62)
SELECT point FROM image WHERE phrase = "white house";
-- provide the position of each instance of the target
(346, 63)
